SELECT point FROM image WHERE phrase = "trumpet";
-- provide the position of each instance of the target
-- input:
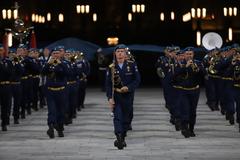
(53, 61)
(16, 59)
(194, 66)
(213, 61)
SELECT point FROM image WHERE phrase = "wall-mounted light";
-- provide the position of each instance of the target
(198, 12)
(142, 8)
(112, 40)
(49, 17)
(87, 8)
(43, 19)
(187, 17)
(60, 17)
(36, 18)
(235, 11)
(138, 8)
(204, 12)
(10, 40)
(4, 13)
(82, 9)
(230, 34)
(230, 11)
(94, 17)
(225, 11)
(15, 13)
(162, 16)
(33, 17)
(78, 8)
(9, 14)
(172, 15)
(198, 38)
(134, 8)
(129, 17)
(193, 12)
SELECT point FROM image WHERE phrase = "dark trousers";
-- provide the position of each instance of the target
(35, 87)
(5, 103)
(55, 105)
(16, 94)
(27, 93)
(82, 93)
(122, 109)
(228, 94)
(220, 93)
(188, 101)
(237, 100)
(168, 93)
(42, 95)
(212, 91)
(102, 75)
(72, 99)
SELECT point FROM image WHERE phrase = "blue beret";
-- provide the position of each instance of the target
(70, 50)
(33, 50)
(174, 49)
(188, 49)
(55, 49)
(60, 47)
(120, 46)
(180, 52)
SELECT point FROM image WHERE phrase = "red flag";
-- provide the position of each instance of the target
(5, 44)
(33, 42)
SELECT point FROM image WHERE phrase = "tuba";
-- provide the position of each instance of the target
(210, 41)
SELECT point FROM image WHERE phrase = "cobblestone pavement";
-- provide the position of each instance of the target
(91, 137)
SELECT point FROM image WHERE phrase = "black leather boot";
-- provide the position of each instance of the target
(4, 128)
(16, 121)
(60, 129)
(50, 131)
(119, 142)
(231, 119)
(123, 137)
(185, 130)
(191, 129)
(177, 124)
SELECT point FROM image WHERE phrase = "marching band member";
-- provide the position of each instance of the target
(55, 71)
(122, 79)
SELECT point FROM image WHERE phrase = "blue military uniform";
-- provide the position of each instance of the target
(42, 88)
(27, 85)
(119, 75)
(18, 70)
(164, 66)
(35, 72)
(236, 87)
(5, 89)
(56, 84)
(72, 84)
(186, 81)
(83, 82)
(211, 80)
(226, 84)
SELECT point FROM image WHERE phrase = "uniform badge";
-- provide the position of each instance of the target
(128, 68)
